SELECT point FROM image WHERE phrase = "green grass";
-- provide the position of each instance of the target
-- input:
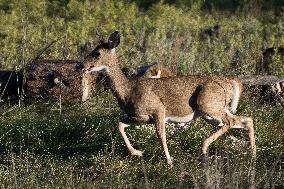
(81, 148)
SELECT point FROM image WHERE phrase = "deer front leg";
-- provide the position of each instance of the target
(130, 148)
(161, 130)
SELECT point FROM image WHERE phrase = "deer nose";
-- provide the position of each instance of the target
(87, 69)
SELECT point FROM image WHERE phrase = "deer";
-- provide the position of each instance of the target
(180, 99)
(155, 70)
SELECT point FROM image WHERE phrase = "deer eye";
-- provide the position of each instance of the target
(95, 54)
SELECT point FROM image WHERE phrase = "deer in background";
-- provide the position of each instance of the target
(172, 99)
(155, 70)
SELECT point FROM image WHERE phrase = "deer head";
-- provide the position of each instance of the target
(99, 60)
(103, 56)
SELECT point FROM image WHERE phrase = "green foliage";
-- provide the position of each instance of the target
(163, 33)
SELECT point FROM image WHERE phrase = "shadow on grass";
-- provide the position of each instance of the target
(65, 137)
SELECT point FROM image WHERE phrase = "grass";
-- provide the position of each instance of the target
(81, 148)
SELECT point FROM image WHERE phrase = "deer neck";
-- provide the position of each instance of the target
(119, 84)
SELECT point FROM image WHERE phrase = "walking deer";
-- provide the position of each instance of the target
(173, 99)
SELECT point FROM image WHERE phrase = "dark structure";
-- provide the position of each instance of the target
(11, 85)
(266, 61)
(210, 31)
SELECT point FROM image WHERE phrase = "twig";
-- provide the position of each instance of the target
(43, 50)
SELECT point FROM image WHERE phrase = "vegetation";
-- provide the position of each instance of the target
(43, 145)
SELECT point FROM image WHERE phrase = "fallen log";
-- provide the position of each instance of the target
(54, 79)
(63, 79)
(260, 80)
(59, 79)
(268, 88)
(267, 60)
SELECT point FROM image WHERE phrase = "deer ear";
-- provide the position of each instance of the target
(114, 40)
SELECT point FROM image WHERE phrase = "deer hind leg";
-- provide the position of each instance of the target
(242, 122)
(233, 121)
(212, 102)
(246, 123)
(214, 137)
(161, 130)
(133, 151)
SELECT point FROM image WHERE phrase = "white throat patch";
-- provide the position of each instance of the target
(112, 51)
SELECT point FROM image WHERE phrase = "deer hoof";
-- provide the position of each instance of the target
(136, 153)
(170, 163)
(205, 148)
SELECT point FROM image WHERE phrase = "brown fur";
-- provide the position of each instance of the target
(154, 100)
(149, 71)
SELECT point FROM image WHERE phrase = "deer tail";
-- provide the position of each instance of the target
(237, 90)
